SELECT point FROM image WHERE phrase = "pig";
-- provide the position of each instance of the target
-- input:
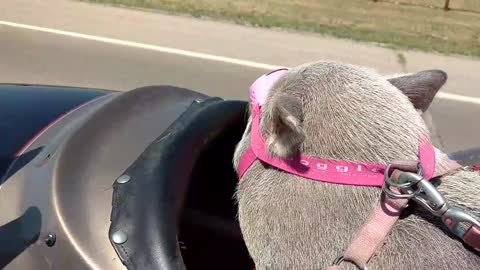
(340, 111)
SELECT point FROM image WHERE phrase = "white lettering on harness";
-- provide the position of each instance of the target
(322, 166)
(339, 168)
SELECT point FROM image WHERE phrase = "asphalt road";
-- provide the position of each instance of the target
(35, 57)
(31, 56)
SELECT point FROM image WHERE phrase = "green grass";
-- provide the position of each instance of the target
(408, 24)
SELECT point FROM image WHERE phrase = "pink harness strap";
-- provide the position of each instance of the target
(380, 223)
(372, 235)
(377, 228)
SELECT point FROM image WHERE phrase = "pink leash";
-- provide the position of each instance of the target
(472, 236)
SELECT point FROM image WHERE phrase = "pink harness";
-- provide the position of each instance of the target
(355, 173)
(324, 170)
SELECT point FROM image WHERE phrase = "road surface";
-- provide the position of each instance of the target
(80, 44)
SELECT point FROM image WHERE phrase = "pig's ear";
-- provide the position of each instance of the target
(285, 122)
(420, 87)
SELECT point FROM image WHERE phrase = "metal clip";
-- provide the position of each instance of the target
(416, 187)
(339, 260)
(405, 184)
(430, 198)
(454, 217)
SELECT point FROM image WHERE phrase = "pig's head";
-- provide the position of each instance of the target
(340, 111)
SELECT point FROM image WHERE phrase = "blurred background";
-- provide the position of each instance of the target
(418, 24)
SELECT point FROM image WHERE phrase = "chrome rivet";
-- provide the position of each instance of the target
(50, 239)
(198, 100)
(123, 179)
(119, 237)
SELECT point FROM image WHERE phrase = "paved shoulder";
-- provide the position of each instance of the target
(228, 40)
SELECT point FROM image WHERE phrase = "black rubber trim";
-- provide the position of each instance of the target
(149, 206)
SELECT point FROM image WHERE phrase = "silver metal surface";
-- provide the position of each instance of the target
(416, 187)
(410, 179)
(119, 237)
(341, 259)
(50, 239)
(454, 217)
(123, 179)
(406, 180)
(430, 198)
(396, 194)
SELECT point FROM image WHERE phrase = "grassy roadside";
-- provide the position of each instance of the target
(412, 24)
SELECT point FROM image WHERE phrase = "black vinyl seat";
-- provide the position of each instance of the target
(180, 211)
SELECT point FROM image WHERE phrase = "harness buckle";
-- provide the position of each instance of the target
(430, 198)
(414, 186)
(339, 260)
(456, 219)
(402, 188)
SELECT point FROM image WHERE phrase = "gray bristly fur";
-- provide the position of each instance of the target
(343, 112)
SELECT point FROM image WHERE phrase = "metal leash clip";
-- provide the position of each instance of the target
(414, 186)
(456, 219)
(341, 259)
(404, 188)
